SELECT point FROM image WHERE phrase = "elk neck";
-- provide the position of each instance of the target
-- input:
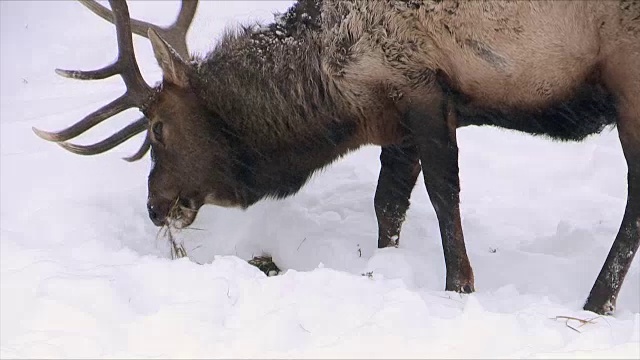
(280, 112)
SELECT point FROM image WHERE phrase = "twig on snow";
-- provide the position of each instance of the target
(582, 322)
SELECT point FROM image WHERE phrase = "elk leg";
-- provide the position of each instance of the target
(399, 169)
(433, 126)
(603, 295)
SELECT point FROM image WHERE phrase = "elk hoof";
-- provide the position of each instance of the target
(391, 242)
(461, 287)
(608, 308)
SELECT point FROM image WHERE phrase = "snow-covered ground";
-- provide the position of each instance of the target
(84, 273)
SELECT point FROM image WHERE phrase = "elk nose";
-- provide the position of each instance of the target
(157, 216)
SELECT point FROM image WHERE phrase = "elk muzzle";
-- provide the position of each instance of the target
(178, 213)
(159, 210)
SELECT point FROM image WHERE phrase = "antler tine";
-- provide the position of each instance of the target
(181, 26)
(137, 95)
(118, 105)
(186, 14)
(102, 73)
(125, 65)
(112, 141)
(146, 145)
(174, 34)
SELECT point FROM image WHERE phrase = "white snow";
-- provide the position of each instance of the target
(83, 274)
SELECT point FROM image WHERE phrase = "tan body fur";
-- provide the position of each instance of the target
(500, 54)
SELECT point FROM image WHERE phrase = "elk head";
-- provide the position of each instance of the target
(189, 150)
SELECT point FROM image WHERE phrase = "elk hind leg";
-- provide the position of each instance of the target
(626, 87)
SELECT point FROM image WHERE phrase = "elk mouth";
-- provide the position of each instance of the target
(182, 213)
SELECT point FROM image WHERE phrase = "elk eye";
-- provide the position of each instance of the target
(156, 128)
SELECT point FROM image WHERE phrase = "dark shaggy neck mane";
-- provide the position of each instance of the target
(273, 87)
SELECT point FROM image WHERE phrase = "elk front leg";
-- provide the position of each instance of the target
(399, 169)
(433, 127)
(603, 295)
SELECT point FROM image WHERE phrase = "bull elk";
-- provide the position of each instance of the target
(270, 105)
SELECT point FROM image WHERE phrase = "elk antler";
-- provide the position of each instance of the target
(138, 93)
(174, 34)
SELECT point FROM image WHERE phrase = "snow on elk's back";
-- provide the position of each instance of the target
(85, 274)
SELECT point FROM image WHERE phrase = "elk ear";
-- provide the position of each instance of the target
(174, 69)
